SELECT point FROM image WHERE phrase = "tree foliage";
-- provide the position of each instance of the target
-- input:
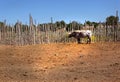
(74, 25)
(112, 20)
(1, 24)
(89, 23)
(60, 24)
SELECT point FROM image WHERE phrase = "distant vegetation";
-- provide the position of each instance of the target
(74, 25)
(53, 32)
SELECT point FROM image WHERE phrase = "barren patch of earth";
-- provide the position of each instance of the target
(69, 62)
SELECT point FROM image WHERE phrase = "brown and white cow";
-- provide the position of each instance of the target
(78, 34)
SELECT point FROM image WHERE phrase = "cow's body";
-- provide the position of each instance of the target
(81, 34)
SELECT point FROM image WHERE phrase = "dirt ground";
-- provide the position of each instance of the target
(63, 62)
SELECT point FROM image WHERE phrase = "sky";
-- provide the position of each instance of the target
(67, 10)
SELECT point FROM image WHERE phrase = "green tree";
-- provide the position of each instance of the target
(74, 26)
(1, 24)
(24, 27)
(63, 24)
(69, 27)
(112, 20)
(88, 23)
(95, 24)
(57, 23)
(60, 24)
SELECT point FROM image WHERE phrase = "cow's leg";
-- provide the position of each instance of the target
(78, 40)
(88, 39)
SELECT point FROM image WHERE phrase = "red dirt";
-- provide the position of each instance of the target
(70, 62)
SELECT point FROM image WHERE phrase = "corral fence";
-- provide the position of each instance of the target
(42, 34)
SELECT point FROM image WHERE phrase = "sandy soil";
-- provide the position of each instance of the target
(70, 62)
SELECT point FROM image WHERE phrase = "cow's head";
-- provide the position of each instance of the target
(73, 34)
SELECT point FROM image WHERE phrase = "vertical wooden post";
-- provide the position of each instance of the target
(117, 18)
